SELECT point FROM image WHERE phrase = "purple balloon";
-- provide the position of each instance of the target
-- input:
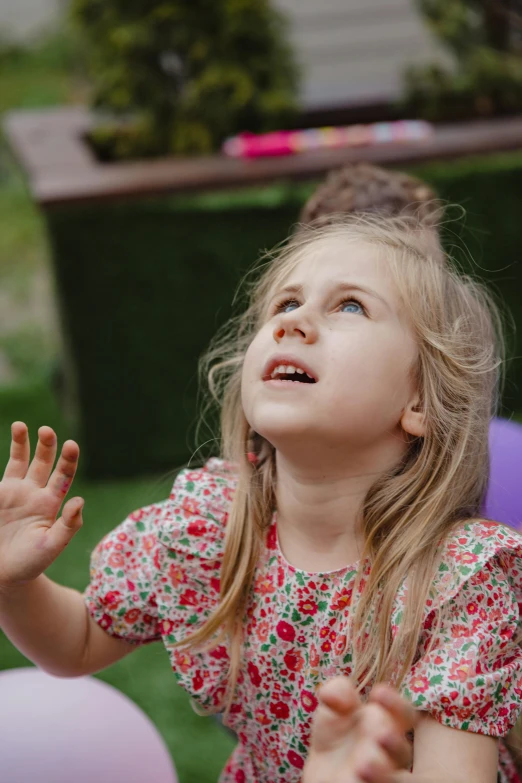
(504, 496)
(55, 730)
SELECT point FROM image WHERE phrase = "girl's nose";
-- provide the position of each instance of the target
(297, 324)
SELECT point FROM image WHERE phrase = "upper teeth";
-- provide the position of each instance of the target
(287, 369)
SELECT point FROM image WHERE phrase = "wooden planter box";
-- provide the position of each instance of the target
(63, 171)
(147, 256)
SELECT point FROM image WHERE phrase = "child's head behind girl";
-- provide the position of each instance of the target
(403, 356)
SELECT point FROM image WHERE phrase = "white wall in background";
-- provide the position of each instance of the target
(22, 19)
(356, 49)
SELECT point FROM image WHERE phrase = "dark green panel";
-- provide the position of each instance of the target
(143, 289)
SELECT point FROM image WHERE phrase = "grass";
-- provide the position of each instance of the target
(46, 76)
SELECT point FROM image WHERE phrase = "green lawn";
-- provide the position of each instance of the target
(199, 746)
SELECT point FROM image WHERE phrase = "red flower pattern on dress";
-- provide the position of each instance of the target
(264, 586)
(294, 660)
(190, 506)
(342, 599)
(309, 701)
(420, 684)
(307, 606)
(189, 598)
(113, 599)
(197, 528)
(253, 672)
(183, 661)
(116, 560)
(280, 709)
(156, 577)
(295, 759)
(176, 575)
(460, 671)
(285, 631)
(105, 621)
(132, 615)
(314, 657)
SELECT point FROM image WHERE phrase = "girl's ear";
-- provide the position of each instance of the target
(412, 419)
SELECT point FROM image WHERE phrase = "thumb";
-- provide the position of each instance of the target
(68, 524)
(72, 514)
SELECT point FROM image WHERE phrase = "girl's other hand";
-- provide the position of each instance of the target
(354, 742)
(31, 494)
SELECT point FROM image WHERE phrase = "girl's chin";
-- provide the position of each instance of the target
(286, 436)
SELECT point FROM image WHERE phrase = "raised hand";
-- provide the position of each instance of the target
(31, 494)
(354, 742)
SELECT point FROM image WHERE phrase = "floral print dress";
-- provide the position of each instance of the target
(155, 577)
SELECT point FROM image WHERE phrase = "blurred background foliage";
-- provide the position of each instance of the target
(484, 39)
(147, 247)
(178, 77)
(42, 75)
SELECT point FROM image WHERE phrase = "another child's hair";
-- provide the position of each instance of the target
(443, 476)
(361, 188)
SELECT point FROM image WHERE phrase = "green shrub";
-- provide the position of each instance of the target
(179, 77)
(486, 78)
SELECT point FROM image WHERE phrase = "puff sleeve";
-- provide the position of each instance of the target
(156, 575)
(471, 677)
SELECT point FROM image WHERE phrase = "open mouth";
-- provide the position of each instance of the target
(290, 373)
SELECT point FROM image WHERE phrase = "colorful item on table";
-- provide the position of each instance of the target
(291, 142)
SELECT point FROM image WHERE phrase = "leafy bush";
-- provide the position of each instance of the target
(487, 76)
(179, 76)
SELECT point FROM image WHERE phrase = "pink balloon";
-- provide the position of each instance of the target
(55, 730)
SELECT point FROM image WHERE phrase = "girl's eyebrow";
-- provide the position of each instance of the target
(342, 285)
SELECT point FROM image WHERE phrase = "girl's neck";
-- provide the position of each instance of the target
(319, 513)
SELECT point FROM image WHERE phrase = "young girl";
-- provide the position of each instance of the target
(337, 534)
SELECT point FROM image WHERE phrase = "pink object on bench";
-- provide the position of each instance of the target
(290, 142)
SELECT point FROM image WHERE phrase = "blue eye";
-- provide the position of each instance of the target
(352, 306)
(287, 306)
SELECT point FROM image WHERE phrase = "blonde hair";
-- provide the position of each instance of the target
(440, 481)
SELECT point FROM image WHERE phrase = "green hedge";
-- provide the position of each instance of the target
(487, 241)
(143, 286)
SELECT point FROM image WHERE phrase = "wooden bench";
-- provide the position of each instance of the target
(62, 169)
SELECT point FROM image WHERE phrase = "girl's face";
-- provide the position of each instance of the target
(338, 318)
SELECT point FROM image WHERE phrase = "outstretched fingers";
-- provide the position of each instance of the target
(65, 470)
(19, 452)
(44, 456)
